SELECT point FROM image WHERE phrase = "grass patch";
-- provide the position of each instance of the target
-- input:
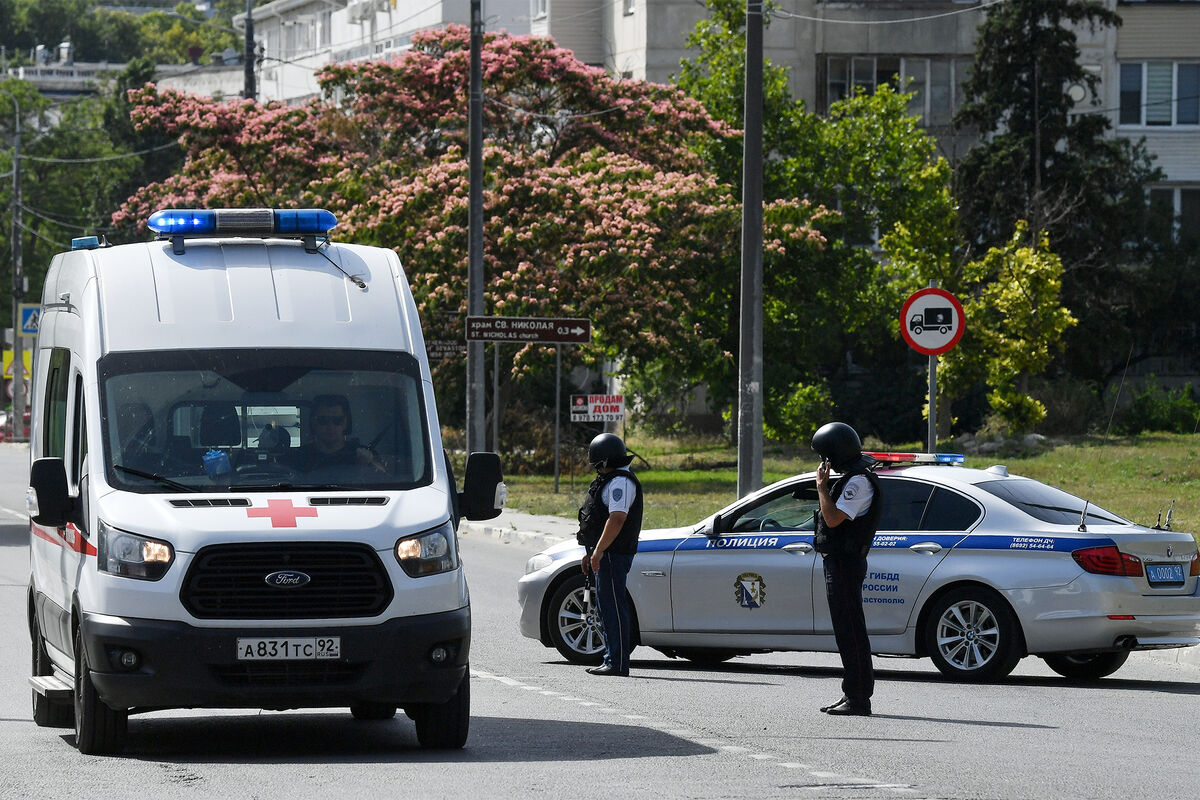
(685, 481)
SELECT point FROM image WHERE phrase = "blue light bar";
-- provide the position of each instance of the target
(241, 222)
(85, 242)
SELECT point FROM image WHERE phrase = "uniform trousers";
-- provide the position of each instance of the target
(614, 608)
(844, 576)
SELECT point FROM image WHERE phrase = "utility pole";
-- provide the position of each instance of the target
(18, 282)
(475, 378)
(750, 339)
(249, 90)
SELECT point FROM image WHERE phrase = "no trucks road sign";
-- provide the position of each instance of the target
(931, 321)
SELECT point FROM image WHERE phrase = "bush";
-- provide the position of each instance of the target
(1073, 407)
(1153, 408)
(797, 417)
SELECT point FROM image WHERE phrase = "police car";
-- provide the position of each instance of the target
(972, 568)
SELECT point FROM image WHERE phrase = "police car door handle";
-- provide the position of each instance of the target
(926, 547)
(654, 573)
(803, 548)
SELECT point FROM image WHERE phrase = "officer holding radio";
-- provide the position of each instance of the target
(609, 523)
(846, 525)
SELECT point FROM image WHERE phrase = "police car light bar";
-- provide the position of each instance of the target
(241, 221)
(917, 458)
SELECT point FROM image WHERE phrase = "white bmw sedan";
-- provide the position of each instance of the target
(971, 568)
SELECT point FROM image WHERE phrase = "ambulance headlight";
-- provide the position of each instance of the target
(428, 553)
(131, 556)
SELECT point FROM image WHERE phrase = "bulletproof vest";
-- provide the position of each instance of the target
(854, 536)
(593, 514)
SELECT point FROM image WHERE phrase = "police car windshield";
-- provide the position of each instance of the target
(1047, 503)
(249, 420)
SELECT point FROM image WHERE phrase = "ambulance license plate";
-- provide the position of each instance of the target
(1157, 574)
(289, 649)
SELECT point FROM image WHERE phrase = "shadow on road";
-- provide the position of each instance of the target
(310, 738)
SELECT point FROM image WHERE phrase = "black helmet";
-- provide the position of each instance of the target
(607, 450)
(839, 443)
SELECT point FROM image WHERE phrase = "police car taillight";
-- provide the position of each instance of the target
(916, 458)
(242, 222)
(1108, 560)
(1195, 570)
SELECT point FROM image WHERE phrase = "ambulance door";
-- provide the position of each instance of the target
(55, 551)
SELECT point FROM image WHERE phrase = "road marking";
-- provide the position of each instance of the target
(14, 514)
(830, 780)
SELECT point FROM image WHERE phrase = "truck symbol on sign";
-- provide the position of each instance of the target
(940, 318)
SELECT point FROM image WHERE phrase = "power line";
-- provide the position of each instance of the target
(99, 159)
(792, 15)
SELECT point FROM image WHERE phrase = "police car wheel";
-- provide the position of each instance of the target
(972, 635)
(575, 628)
(1091, 667)
(47, 713)
(444, 725)
(99, 730)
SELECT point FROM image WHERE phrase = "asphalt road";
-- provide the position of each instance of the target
(543, 728)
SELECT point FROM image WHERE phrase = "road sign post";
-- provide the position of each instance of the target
(932, 322)
(531, 330)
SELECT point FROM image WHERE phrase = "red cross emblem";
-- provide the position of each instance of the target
(282, 513)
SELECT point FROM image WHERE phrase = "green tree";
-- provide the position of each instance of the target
(1056, 166)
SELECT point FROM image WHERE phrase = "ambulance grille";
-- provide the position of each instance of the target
(289, 673)
(229, 581)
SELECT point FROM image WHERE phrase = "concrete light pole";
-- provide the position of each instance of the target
(249, 90)
(476, 413)
(18, 282)
(750, 339)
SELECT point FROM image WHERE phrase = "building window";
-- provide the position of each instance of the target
(936, 83)
(1160, 93)
(540, 8)
(630, 5)
(326, 26)
(1183, 204)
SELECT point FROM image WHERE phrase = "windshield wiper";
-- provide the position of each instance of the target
(154, 476)
(263, 487)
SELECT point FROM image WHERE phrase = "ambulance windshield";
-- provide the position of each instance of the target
(260, 419)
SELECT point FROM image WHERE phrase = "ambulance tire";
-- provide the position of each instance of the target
(372, 711)
(47, 713)
(99, 730)
(444, 726)
(972, 635)
(1086, 668)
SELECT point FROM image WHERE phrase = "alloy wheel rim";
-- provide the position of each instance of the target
(579, 629)
(968, 635)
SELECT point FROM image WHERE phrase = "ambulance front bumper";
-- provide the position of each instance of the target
(176, 665)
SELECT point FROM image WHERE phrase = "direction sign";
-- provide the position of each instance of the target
(597, 408)
(31, 315)
(932, 321)
(528, 329)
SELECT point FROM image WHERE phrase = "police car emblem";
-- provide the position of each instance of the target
(750, 590)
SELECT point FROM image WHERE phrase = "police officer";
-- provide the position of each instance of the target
(846, 524)
(609, 523)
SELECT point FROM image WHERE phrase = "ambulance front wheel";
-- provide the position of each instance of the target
(444, 725)
(99, 730)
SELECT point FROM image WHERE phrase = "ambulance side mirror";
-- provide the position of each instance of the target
(48, 500)
(484, 493)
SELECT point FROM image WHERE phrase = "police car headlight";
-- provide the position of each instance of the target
(428, 553)
(131, 556)
(540, 561)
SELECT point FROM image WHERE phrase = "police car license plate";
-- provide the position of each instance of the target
(1164, 573)
(289, 649)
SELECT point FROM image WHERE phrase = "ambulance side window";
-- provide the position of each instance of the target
(54, 429)
(79, 436)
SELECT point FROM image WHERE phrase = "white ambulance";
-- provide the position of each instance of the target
(238, 492)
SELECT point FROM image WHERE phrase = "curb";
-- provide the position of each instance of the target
(534, 539)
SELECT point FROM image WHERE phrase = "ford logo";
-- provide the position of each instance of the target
(287, 578)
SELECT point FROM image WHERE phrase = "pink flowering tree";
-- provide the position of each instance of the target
(596, 203)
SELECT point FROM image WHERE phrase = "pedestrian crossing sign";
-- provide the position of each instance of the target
(31, 315)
